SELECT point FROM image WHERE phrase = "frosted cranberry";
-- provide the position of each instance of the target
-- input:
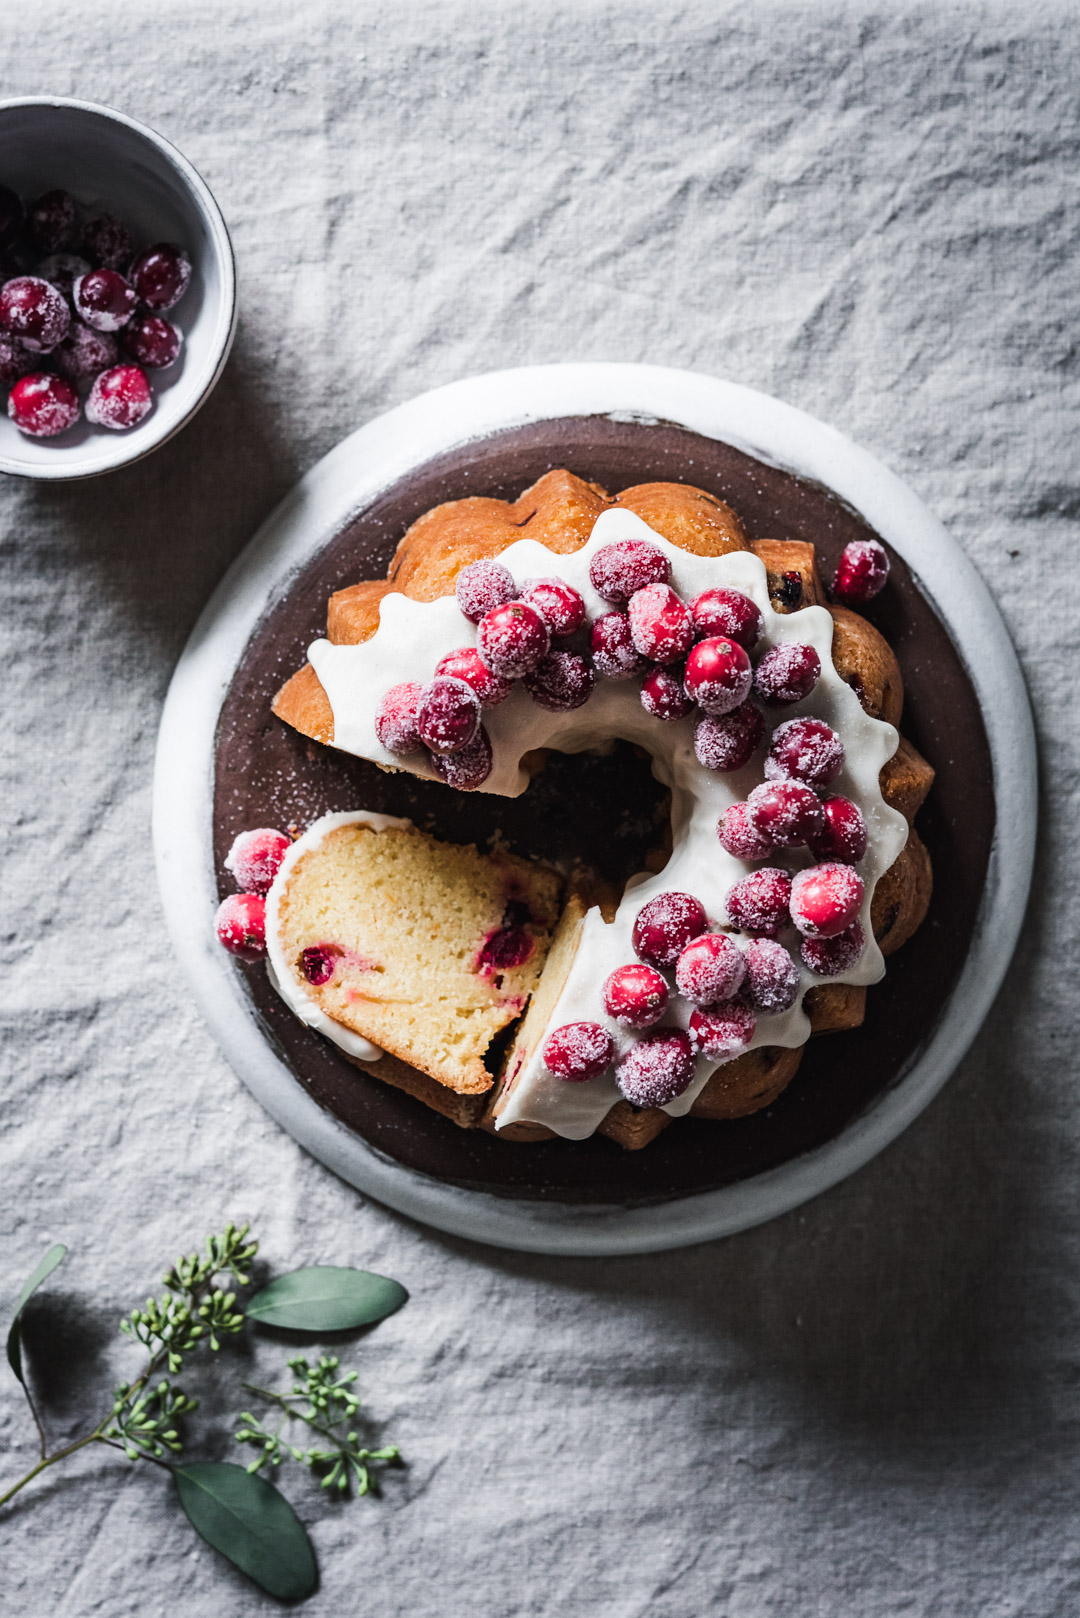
(152, 341)
(255, 858)
(843, 836)
(786, 811)
(829, 957)
(395, 718)
(464, 664)
(635, 996)
(657, 1069)
(62, 270)
(512, 639)
(730, 742)
(559, 604)
(578, 1051)
(42, 405)
(468, 768)
(758, 903)
(786, 674)
(119, 398)
(160, 276)
(560, 682)
(660, 624)
(718, 675)
(240, 925)
(104, 299)
(863, 572)
(739, 836)
(108, 241)
(318, 964)
(722, 1031)
(664, 927)
(663, 697)
(15, 360)
(35, 312)
(710, 969)
(613, 650)
(728, 613)
(84, 353)
(772, 978)
(448, 715)
(481, 586)
(805, 750)
(825, 900)
(53, 222)
(11, 215)
(618, 571)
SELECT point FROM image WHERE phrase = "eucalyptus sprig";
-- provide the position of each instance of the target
(330, 1410)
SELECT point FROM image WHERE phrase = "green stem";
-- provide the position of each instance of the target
(297, 1415)
(50, 1460)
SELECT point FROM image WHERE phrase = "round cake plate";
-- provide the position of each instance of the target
(341, 485)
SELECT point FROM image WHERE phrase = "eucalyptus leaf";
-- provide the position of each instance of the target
(326, 1297)
(44, 1270)
(249, 1521)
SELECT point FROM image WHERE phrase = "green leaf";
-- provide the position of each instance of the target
(249, 1521)
(325, 1297)
(44, 1270)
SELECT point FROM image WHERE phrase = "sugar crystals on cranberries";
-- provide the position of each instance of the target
(160, 276)
(558, 603)
(785, 811)
(787, 673)
(619, 570)
(396, 718)
(240, 925)
(657, 1069)
(613, 651)
(635, 995)
(710, 968)
(843, 834)
(830, 957)
(483, 585)
(863, 572)
(103, 299)
(758, 903)
(825, 900)
(740, 837)
(255, 858)
(665, 925)
(560, 682)
(772, 978)
(805, 750)
(465, 664)
(663, 696)
(728, 613)
(32, 310)
(448, 715)
(718, 675)
(42, 405)
(469, 767)
(729, 742)
(660, 624)
(53, 222)
(152, 341)
(578, 1051)
(722, 1031)
(512, 639)
(119, 398)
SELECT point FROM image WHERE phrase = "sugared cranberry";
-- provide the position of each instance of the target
(660, 624)
(318, 964)
(787, 673)
(255, 858)
(53, 222)
(722, 1031)
(448, 716)
(512, 639)
(481, 586)
(618, 571)
(240, 925)
(829, 957)
(578, 1051)
(62, 270)
(772, 978)
(395, 718)
(635, 995)
(35, 312)
(560, 682)
(107, 240)
(740, 837)
(663, 696)
(843, 836)
(468, 769)
(786, 811)
(15, 360)
(710, 969)
(84, 353)
(730, 742)
(825, 900)
(718, 675)
(464, 664)
(664, 927)
(11, 215)
(805, 750)
(152, 341)
(728, 613)
(104, 299)
(160, 276)
(119, 398)
(863, 572)
(657, 1069)
(613, 651)
(559, 604)
(42, 405)
(758, 903)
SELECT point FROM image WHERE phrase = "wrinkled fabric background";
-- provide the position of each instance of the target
(869, 1407)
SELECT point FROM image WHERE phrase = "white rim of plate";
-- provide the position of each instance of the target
(331, 494)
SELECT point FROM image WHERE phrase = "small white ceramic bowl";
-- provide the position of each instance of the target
(111, 163)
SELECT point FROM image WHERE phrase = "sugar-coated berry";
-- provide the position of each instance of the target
(240, 925)
(103, 299)
(728, 613)
(84, 353)
(619, 570)
(255, 858)
(396, 716)
(613, 651)
(42, 405)
(843, 835)
(863, 572)
(62, 270)
(825, 900)
(53, 222)
(15, 360)
(759, 903)
(786, 811)
(107, 241)
(739, 836)
(512, 639)
(805, 750)
(723, 1031)
(448, 716)
(35, 312)
(663, 696)
(710, 969)
(483, 585)
(772, 978)
(660, 624)
(152, 341)
(664, 927)
(465, 664)
(787, 673)
(830, 957)
(119, 398)
(318, 963)
(558, 603)
(578, 1051)
(731, 741)
(657, 1069)
(635, 995)
(160, 276)
(560, 682)
(11, 215)
(718, 675)
(468, 768)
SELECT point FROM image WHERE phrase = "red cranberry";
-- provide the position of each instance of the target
(108, 241)
(664, 927)
(613, 649)
(255, 858)
(512, 639)
(152, 341)
(15, 360)
(618, 571)
(318, 963)
(786, 674)
(731, 614)
(772, 978)
(35, 312)
(718, 675)
(559, 604)
(160, 276)
(62, 270)
(722, 1031)
(862, 574)
(11, 215)
(467, 769)
(825, 900)
(504, 949)
(660, 624)
(663, 697)
(786, 811)
(561, 682)
(758, 903)
(710, 969)
(42, 405)
(240, 925)
(119, 398)
(104, 300)
(465, 664)
(740, 837)
(730, 742)
(829, 957)
(578, 1051)
(804, 750)
(843, 836)
(395, 718)
(448, 716)
(481, 586)
(635, 996)
(53, 222)
(657, 1068)
(84, 353)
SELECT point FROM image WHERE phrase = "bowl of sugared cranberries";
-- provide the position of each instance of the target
(117, 289)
